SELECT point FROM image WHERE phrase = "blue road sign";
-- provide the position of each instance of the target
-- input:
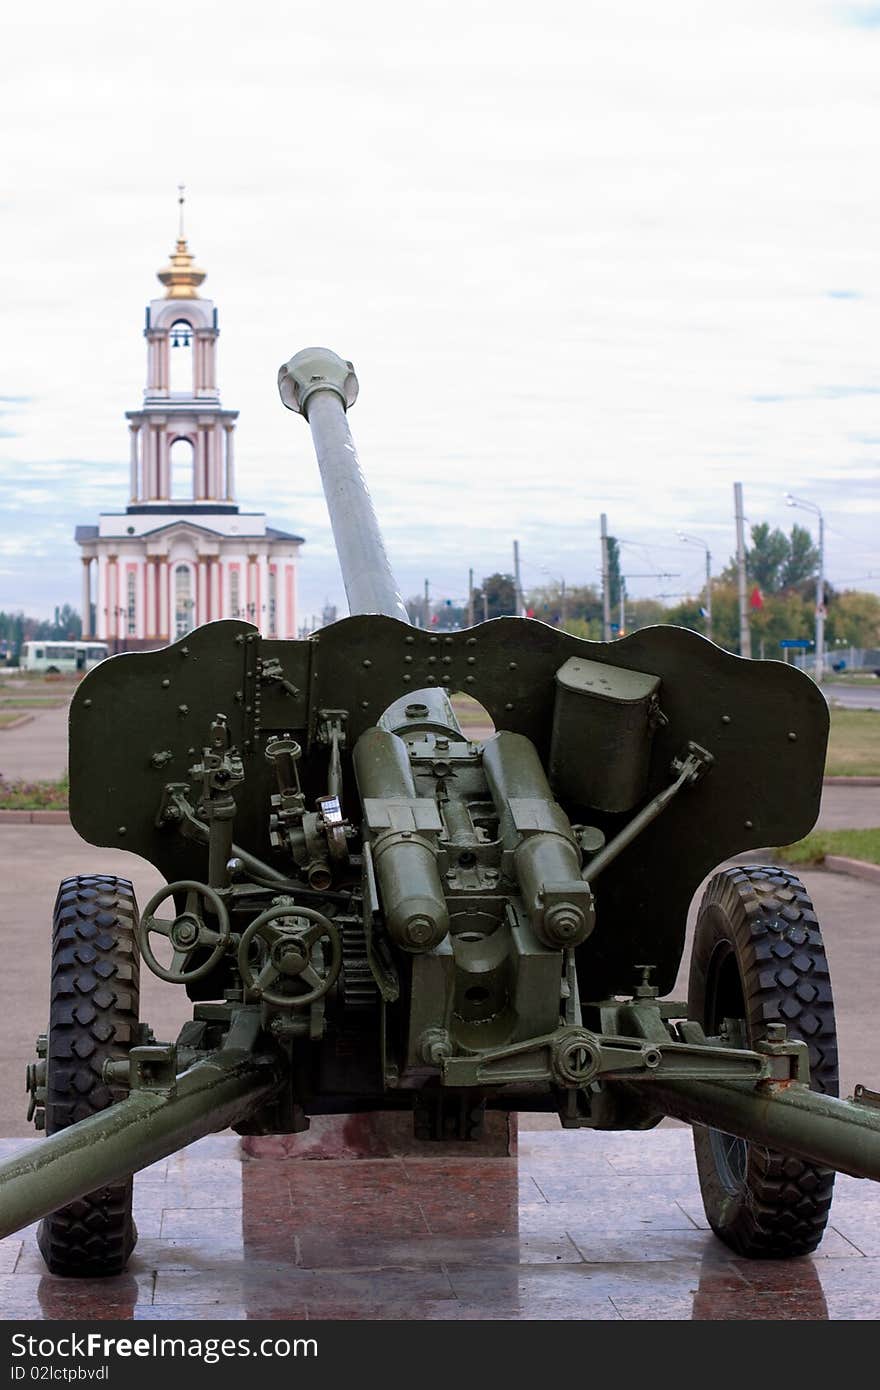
(795, 642)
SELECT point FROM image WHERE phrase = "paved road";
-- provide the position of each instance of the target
(34, 858)
(853, 696)
(849, 808)
(36, 750)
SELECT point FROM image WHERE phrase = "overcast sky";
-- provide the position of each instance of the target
(585, 257)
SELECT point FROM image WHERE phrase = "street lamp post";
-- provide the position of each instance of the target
(695, 540)
(623, 594)
(793, 501)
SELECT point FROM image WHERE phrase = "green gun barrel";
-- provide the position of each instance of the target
(320, 385)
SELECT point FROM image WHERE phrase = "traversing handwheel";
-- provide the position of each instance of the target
(186, 932)
(289, 934)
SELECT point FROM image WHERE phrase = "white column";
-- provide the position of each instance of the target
(216, 606)
(262, 617)
(133, 433)
(291, 600)
(280, 600)
(217, 432)
(86, 598)
(150, 607)
(164, 599)
(164, 464)
(201, 592)
(151, 465)
(230, 470)
(201, 490)
(140, 596)
(100, 627)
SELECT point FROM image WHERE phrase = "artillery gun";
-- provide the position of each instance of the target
(372, 911)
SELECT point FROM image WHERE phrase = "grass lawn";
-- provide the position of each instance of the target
(853, 844)
(36, 702)
(854, 744)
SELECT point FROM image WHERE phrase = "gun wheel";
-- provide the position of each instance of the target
(93, 1015)
(758, 958)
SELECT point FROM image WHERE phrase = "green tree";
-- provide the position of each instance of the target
(854, 618)
(582, 604)
(500, 593)
(776, 562)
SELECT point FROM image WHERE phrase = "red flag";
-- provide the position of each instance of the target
(757, 599)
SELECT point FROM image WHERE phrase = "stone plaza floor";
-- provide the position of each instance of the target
(579, 1226)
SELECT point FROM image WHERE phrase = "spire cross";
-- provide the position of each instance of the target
(181, 189)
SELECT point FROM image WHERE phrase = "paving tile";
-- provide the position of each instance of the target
(573, 1282)
(516, 1310)
(594, 1190)
(207, 1223)
(862, 1234)
(472, 1213)
(49, 1297)
(317, 1252)
(585, 1226)
(612, 1214)
(654, 1247)
(745, 1306)
(771, 1276)
(261, 1285)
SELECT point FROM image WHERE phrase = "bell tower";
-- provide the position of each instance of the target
(182, 552)
(182, 438)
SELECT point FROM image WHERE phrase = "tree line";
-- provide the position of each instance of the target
(781, 573)
(18, 628)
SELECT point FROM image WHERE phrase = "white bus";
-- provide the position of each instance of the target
(62, 656)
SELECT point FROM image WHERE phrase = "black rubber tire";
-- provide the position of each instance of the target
(758, 955)
(93, 1015)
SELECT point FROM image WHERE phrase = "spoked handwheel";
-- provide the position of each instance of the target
(289, 935)
(758, 958)
(187, 931)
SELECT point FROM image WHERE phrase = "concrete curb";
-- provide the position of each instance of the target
(16, 723)
(851, 781)
(34, 818)
(856, 868)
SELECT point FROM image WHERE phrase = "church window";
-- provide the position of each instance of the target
(234, 594)
(182, 457)
(180, 349)
(132, 604)
(273, 603)
(184, 604)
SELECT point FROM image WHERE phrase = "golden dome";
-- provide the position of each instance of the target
(180, 276)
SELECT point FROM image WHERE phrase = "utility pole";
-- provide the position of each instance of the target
(695, 540)
(485, 604)
(427, 604)
(606, 594)
(470, 602)
(623, 578)
(708, 594)
(562, 603)
(745, 635)
(520, 606)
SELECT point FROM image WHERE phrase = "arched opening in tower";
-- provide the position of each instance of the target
(182, 459)
(180, 368)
